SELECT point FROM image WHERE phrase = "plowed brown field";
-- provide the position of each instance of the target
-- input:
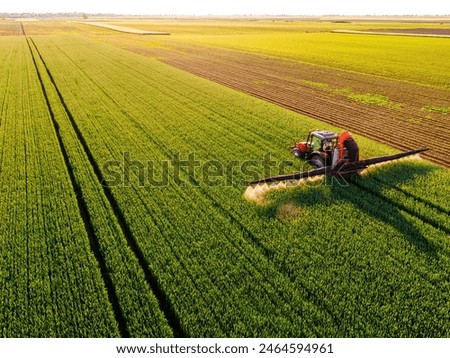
(10, 28)
(415, 115)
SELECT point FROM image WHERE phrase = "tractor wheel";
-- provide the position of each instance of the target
(317, 161)
(353, 150)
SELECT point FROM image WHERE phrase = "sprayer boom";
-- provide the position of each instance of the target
(339, 170)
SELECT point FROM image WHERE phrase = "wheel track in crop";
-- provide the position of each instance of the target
(164, 303)
(425, 219)
(22, 29)
(84, 212)
(413, 196)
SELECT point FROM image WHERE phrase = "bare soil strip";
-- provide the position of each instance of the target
(413, 121)
(422, 31)
(128, 30)
(395, 32)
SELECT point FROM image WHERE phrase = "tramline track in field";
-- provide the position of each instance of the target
(120, 290)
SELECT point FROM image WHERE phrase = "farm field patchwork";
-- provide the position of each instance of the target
(412, 59)
(188, 257)
(363, 103)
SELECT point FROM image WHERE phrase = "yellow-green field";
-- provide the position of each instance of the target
(417, 59)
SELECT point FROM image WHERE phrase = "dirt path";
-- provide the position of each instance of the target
(409, 116)
(124, 29)
(444, 33)
(418, 31)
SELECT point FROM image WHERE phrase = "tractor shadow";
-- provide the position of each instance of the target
(403, 171)
(371, 203)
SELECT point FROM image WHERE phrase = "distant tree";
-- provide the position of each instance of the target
(85, 17)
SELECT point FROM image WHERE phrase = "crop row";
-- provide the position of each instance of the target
(50, 283)
(343, 262)
(135, 299)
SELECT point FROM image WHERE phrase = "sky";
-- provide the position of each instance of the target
(234, 7)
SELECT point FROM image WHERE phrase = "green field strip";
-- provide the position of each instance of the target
(301, 256)
(84, 212)
(50, 284)
(132, 288)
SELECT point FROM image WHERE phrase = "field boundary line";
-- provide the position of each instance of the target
(164, 303)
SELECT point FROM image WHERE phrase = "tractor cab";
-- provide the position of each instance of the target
(318, 148)
(321, 141)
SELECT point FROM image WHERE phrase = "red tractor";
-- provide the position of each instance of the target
(327, 149)
(331, 154)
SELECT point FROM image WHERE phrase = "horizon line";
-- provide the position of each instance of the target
(221, 15)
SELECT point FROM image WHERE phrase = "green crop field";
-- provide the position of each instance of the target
(414, 59)
(123, 214)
